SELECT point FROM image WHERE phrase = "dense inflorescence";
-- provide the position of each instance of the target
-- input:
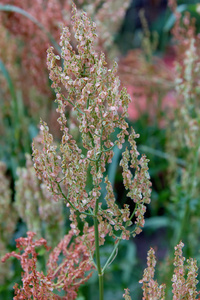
(92, 90)
(184, 278)
(49, 16)
(67, 275)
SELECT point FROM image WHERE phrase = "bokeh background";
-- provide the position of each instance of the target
(156, 45)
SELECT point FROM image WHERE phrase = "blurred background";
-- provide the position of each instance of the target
(156, 45)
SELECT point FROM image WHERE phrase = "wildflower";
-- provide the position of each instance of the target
(92, 90)
(184, 278)
(96, 102)
(151, 289)
(67, 275)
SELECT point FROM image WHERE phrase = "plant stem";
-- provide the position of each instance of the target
(100, 273)
(101, 286)
(112, 255)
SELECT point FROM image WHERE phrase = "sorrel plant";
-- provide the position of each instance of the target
(85, 85)
(76, 173)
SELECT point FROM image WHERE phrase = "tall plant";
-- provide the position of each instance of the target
(85, 84)
(184, 179)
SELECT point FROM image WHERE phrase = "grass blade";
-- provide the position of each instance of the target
(5, 73)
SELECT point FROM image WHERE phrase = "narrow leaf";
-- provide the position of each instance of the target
(171, 20)
(5, 73)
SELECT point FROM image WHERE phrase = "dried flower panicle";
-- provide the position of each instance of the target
(52, 14)
(68, 274)
(184, 288)
(35, 284)
(36, 206)
(186, 79)
(183, 30)
(75, 269)
(126, 296)
(184, 280)
(35, 41)
(151, 289)
(139, 186)
(92, 90)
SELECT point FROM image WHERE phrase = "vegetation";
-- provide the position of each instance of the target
(75, 209)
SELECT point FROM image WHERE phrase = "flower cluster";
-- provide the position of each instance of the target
(184, 278)
(92, 90)
(33, 37)
(184, 288)
(50, 15)
(36, 206)
(76, 170)
(151, 289)
(65, 275)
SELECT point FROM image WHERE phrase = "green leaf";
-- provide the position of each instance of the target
(162, 154)
(193, 8)
(129, 261)
(114, 165)
(170, 22)
(158, 222)
(80, 298)
(33, 131)
(5, 73)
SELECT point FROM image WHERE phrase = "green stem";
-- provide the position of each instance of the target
(101, 286)
(98, 262)
(112, 255)
(190, 194)
(70, 102)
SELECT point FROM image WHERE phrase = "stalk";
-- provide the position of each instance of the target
(97, 252)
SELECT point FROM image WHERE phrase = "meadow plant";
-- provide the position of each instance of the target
(184, 282)
(27, 29)
(85, 84)
(76, 172)
(36, 206)
(66, 275)
(33, 37)
(184, 178)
